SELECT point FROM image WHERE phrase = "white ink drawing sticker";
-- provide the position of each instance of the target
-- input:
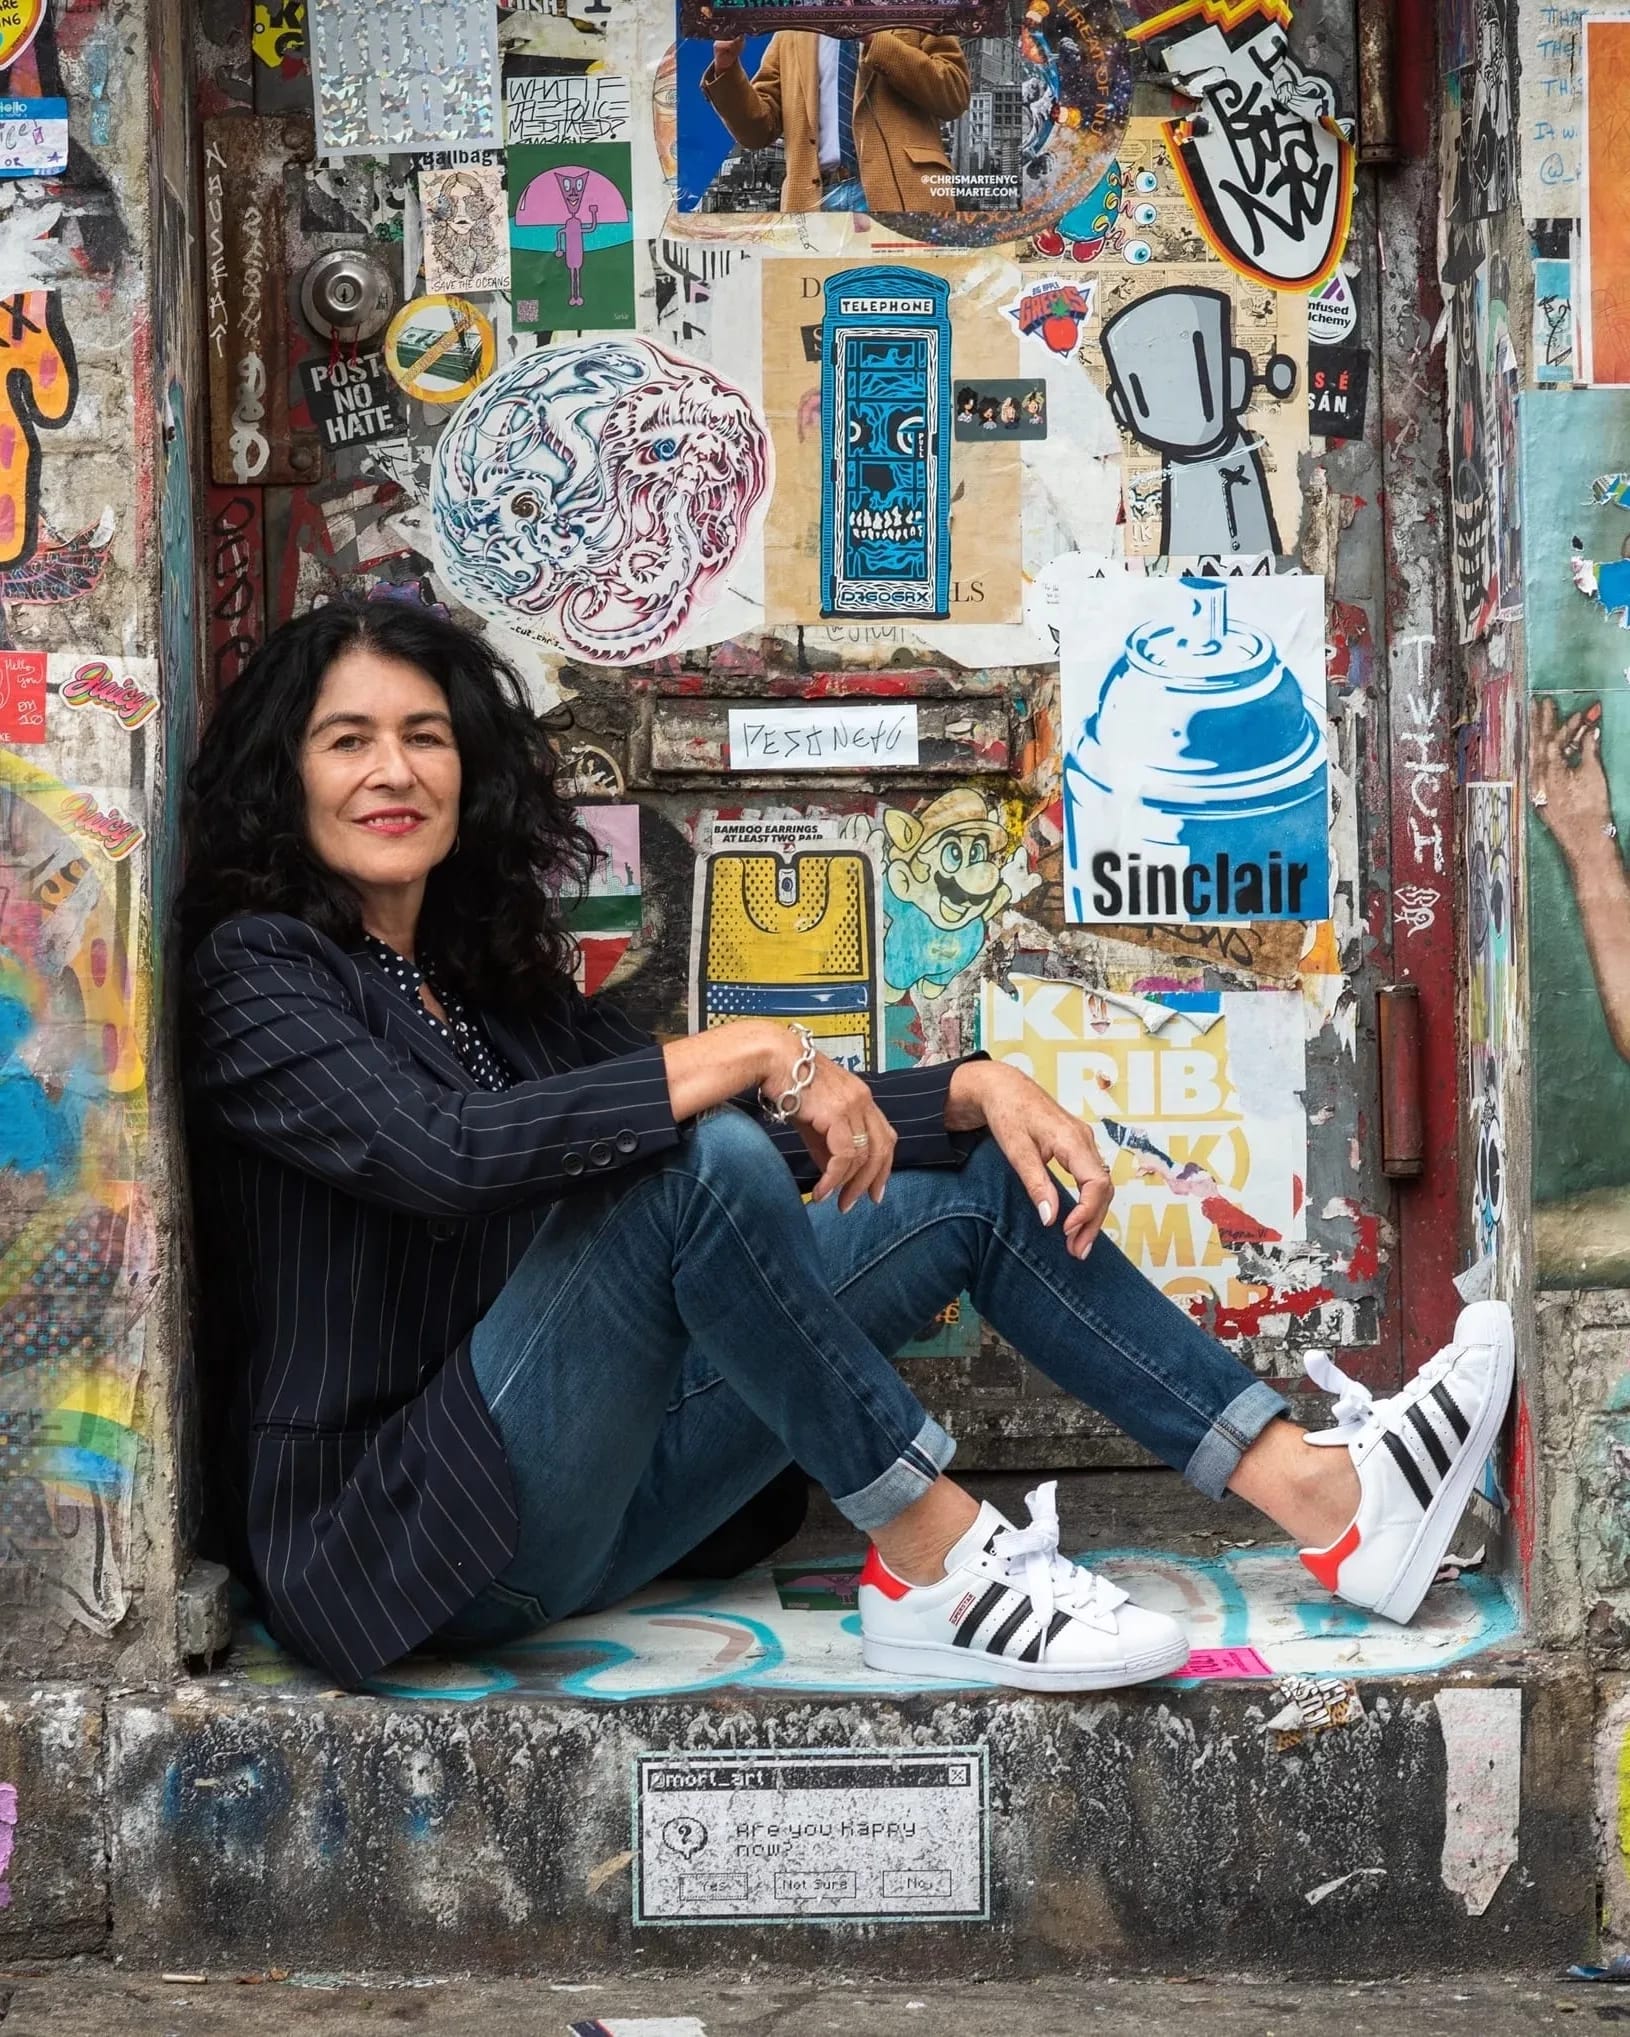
(466, 228)
(593, 495)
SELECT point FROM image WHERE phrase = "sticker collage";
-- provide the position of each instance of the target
(892, 441)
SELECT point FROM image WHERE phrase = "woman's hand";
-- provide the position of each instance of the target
(848, 1137)
(1032, 1131)
(1566, 782)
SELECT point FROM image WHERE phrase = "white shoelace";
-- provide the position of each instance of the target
(1050, 1581)
(1356, 1408)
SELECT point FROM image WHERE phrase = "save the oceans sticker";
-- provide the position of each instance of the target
(766, 1836)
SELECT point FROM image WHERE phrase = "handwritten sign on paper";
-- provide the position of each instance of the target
(1551, 108)
(33, 137)
(863, 737)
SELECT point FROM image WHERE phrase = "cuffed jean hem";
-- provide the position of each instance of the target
(1231, 1435)
(907, 1479)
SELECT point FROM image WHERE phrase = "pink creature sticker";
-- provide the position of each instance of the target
(595, 494)
(576, 201)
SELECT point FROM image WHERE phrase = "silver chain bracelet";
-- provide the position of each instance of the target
(784, 1108)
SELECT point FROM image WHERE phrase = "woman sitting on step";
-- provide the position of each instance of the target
(510, 1305)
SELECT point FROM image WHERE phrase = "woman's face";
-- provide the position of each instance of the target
(381, 773)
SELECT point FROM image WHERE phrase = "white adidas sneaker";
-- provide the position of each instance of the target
(1418, 1454)
(1011, 1610)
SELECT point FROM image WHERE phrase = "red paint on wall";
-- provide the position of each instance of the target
(1521, 1494)
(1245, 1320)
(1423, 938)
(1236, 1226)
(1365, 1261)
(1350, 660)
(235, 572)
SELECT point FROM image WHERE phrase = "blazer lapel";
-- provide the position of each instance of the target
(520, 1046)
(412, 1035)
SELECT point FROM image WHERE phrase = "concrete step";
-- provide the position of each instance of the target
(138, 2004)
(1319, 1793)
(1413, 1824)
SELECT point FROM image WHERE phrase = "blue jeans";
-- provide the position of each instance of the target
(666, 1346)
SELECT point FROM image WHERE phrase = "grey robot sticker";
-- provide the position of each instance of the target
(1181, 387)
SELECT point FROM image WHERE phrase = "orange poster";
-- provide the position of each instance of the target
(1606, 335)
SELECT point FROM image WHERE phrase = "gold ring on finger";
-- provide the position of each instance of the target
(861, 1141)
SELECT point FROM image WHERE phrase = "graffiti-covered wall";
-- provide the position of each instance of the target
(937, 452)
(95, 679)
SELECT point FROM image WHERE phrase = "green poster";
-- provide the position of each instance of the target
(571, 237)
(1576, 592)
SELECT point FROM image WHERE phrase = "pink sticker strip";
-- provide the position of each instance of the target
(1214, 1665)
(8, 1832)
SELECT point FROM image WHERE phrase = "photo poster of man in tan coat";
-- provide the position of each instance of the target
(861, 120)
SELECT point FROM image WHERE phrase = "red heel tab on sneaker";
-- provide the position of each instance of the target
(877, 1573)
(1326, 1563)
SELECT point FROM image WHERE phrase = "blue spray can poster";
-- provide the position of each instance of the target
(1196, 763)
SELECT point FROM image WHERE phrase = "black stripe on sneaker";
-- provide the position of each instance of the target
(1010, 1626)
(1407, 1465)
(1032, 1648)
(1421, 1422)
(1451, 1407)
(981, 1612)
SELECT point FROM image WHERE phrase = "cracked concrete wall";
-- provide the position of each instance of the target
(98, 688)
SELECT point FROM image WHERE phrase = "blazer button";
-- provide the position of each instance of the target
(441, 1231)
(599, 1154)
(627, 1142)
(571, 1163)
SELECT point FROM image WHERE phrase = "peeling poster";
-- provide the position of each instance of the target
(1195, 1099)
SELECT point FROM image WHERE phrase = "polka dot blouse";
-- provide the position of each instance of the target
(482, 1060)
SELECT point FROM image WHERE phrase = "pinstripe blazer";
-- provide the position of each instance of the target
(360, 1204)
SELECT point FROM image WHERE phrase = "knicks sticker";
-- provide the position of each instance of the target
(438, 349)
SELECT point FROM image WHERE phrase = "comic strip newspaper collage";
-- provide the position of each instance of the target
(885, 422)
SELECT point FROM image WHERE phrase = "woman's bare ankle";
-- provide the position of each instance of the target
(1312, 1492)
(917, 1541)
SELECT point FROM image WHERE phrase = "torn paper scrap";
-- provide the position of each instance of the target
(1482, 1790)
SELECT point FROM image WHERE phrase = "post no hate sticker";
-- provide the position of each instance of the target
(351, 399)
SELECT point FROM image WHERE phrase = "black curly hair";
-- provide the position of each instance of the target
(492, 909)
